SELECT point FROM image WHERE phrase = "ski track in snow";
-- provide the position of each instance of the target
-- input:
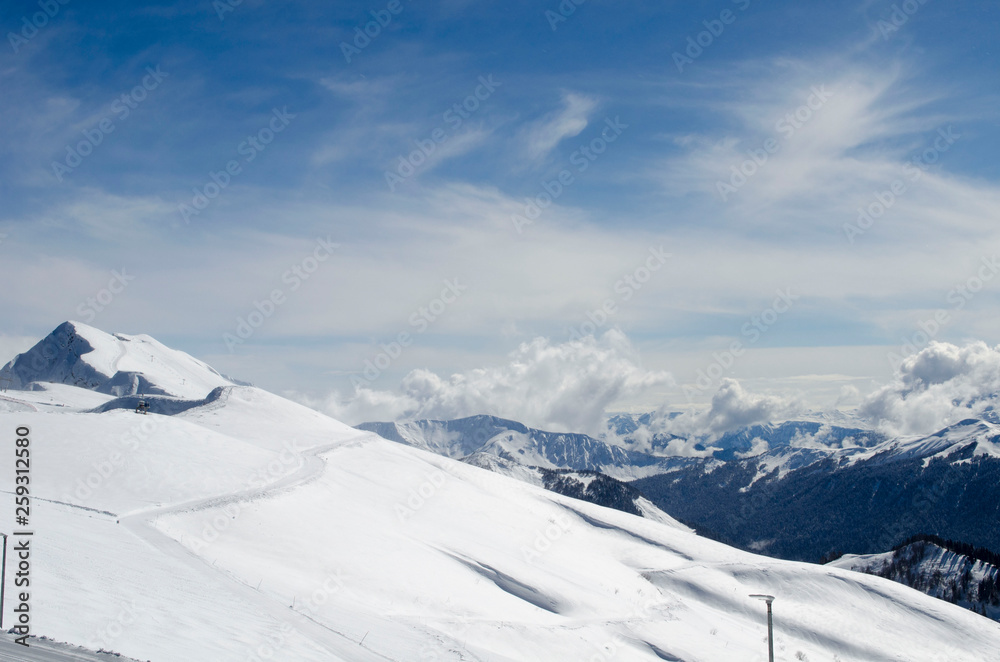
(141, 524)
(121, 354)
(19, 402)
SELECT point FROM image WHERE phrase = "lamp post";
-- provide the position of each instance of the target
(3, 577)
(770, 629)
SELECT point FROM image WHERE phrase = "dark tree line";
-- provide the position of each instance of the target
(965, 549)
(904, 566)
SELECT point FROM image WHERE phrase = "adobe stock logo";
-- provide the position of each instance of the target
(713, 30)
(90, 308)
(264, 309)
(914, 169)
(582, 158)
(250, 148)
(420, 319)
(409, 165)
(787, 126)
(752, 330)
(38, 20)
(381, 18)
(95, 135)
(625, 288)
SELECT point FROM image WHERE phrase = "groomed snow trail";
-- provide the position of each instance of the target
(141, 524)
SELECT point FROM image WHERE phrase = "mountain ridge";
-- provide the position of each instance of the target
(251, 520)
(117, 364)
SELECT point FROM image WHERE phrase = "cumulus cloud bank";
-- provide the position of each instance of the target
(939, 385)
(732, 408)
(569, 387)
(561, 387)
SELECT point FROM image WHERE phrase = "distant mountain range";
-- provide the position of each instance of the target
(803, 503)
(516, 442)
(827, 431)
(617, 456)
(575, 465)
(816, 488)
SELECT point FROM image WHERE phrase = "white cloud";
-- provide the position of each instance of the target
(758, 446)
(732, 407)
(563, 387)
(542, 136)
(829, 159)
(938, 386)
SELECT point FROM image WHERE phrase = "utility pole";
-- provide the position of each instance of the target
(770, 628)
(3, 577)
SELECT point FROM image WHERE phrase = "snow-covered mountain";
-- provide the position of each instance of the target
(536, 457)
(806, 502)
(516, 442)
(831, 431)
(617, 455)
(80, 355)
(591, 486)
(252, 528)
(949, 571)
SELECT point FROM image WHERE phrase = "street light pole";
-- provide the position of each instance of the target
(770, 628)
(3, 577)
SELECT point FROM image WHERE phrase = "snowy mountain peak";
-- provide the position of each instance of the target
(971, 437)
(115, 364)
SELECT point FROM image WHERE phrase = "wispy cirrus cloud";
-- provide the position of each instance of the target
(540, 137)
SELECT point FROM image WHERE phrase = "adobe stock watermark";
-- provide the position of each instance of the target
(617, 642)
(249, 148)
(99, 472)
(272, 647)
(122, 106)
(752, 331)
(545, 537)
(264, 309)
(454, 117)
(287, 461)
(898, 17)
(114, 628)
(420, 495)
(786, 126)
(958, 296)
(625, 288)
(223, 7)
(420, 320)
(914, 170)
(713, 30)
(582, 158)
(30, 25)
(565, 9)
(381, 18)
(92, 306)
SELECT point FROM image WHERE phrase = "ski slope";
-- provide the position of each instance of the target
(933, 569)
(251, 528)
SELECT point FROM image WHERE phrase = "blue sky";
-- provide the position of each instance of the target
(838, 101)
